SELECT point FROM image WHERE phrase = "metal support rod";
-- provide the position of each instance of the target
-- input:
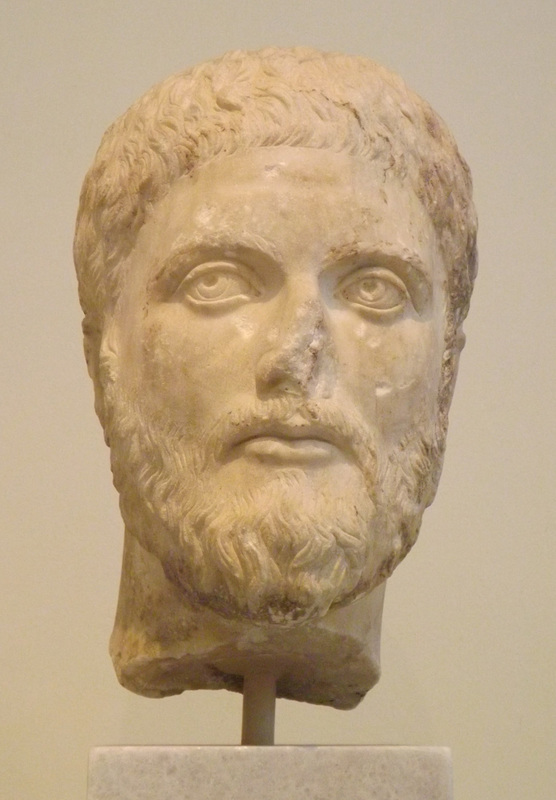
(259, 702)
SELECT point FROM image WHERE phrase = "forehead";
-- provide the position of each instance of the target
(288, 199)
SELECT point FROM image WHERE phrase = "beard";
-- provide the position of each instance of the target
(294, 543)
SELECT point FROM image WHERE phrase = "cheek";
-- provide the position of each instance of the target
(193, 367)
(400, 370)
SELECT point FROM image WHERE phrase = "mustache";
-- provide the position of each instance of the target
(294, 418)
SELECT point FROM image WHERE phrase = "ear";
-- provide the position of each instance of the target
(459, 340)
(100, 357)
(450, 367)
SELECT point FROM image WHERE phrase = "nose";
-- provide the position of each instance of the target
(298, 359)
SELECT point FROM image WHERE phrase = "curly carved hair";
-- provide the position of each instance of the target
(298, 97)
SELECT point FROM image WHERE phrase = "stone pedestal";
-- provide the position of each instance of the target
(270, 773)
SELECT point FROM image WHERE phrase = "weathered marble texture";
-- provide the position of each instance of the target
(276, 773)
(275, 255)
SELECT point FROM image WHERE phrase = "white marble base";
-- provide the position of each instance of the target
(270, 773)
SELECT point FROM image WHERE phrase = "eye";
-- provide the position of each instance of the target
(374, 289)
(217, 284)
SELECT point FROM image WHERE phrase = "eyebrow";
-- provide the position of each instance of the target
(375, 253)
(248, 242)
(252, 243)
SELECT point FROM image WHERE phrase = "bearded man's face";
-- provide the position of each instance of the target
(274, 367)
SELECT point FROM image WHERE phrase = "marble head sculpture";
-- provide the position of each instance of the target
(275, 253)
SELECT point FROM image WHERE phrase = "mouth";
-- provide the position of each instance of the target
(290, 444)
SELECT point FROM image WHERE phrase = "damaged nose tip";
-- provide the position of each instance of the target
(289, 376)
(293, 362)
(290, 387)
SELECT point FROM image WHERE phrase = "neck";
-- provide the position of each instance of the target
(162, 645)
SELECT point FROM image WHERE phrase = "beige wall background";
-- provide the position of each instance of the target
(469, 637)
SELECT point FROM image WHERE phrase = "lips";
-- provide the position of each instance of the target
(305, 443)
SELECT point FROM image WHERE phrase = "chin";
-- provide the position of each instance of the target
(284, 552)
